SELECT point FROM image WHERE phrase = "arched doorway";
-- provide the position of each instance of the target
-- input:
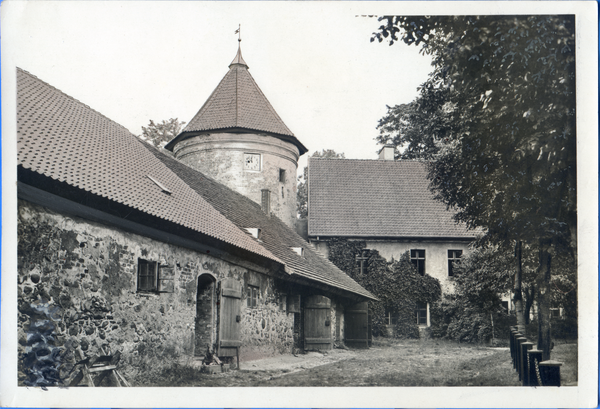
(205, 314)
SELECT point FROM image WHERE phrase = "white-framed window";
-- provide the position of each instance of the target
(390, 318)
(417, 257)
(453, 258)
(282, 175)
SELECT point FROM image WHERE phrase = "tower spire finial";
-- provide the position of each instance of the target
(238, 60)
(239, 33)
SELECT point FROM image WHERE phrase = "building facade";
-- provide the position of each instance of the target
(386, 204)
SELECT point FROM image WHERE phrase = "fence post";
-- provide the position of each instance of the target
(514, 336)
(550, 372)
(511, 337)
(535, 356)
(520, 340)
(525, 346)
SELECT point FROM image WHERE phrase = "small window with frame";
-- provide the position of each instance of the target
(147, 276)
(417, 257)
(282, 175)
(252, 296)
(453, 259)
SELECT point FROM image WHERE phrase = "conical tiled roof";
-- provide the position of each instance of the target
(238, 104)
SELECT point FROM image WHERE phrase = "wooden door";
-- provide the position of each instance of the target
(230, 317)
(317, 323)
(357, 325)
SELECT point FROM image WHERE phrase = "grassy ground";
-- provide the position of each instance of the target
(388, 363)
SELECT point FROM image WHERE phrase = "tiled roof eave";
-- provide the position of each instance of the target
(81, 197)
(191, 133)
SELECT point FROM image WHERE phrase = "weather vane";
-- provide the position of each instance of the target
(239, 33)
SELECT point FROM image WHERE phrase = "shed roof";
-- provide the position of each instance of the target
(376, 199)
(238, 105)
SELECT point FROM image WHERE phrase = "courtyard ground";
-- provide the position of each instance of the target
(387, 363)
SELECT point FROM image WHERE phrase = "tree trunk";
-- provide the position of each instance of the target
(518, 295)
(543, 279)
(529, 303)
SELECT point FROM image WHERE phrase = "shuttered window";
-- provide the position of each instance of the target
(147, 275)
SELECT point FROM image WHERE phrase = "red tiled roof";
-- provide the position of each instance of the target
(63, 139)
(238, 104)
(376, 198)
(276, 236)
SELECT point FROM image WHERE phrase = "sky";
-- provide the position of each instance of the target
(137, 61)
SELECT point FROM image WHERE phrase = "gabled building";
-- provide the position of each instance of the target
(387, 204)
(122, 246)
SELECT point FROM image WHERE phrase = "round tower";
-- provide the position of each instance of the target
(238, 139)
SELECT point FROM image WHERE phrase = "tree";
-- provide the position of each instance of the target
(160, 134)
(302, 194)
(504, 154)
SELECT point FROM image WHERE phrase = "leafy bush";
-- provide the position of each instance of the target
(474, 312)
(397, 284)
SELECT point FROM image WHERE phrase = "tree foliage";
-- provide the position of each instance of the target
(474, 310)
(162, 133)
(397, 284)
(302, 193)
(500, 103)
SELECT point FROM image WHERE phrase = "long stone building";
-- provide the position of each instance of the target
(123, 247)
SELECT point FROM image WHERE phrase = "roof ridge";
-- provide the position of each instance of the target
(74, 99)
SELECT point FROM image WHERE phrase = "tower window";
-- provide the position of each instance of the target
(417, 257)
(282, 175)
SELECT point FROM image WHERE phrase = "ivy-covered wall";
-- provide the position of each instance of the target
(397, 284)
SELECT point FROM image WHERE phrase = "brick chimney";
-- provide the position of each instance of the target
(387, 152)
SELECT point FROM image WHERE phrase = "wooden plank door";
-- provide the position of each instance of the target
(317, 323)
(357, 325)
(230, 317)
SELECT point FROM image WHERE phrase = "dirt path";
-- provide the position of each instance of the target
(401, 363)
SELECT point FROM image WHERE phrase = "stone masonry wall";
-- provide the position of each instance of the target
(267, 329)
(221, 156)
(77, 290)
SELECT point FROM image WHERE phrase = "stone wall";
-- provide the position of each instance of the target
(77, 290)
(221, 156)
